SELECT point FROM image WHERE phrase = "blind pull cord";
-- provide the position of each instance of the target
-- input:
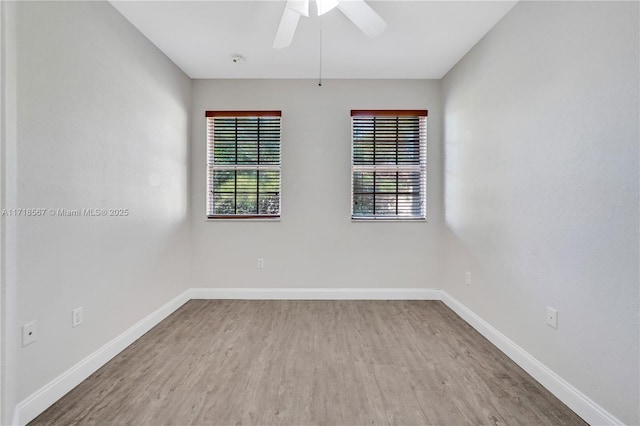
(320, 71)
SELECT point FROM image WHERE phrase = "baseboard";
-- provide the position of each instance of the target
(317, 293)
(35, 404)
(43, 398)
(582, 405)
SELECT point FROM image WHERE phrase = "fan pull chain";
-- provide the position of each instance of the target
(320, 72)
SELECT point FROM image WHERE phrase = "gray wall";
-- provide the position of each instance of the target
(315, 244)
(9, 329)
(103, 122)
(541, 189)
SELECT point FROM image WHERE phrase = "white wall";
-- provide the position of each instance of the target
(541, 189)
(103, 122)
(315, 244)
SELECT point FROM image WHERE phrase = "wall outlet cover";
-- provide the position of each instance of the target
(29, 333)
(552, 318)
(76, 317)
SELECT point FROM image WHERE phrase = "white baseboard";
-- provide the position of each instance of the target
(582, 405)
(317, 293)
(42, 399)
(39, 401)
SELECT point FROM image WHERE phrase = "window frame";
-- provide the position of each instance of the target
(422, 167)
(210, 166)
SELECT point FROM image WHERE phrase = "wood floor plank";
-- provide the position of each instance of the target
(238, 362)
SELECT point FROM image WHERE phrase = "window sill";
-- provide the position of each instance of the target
(243, 219)
(391, 219)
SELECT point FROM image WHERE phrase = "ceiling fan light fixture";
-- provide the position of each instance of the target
(325, 6)
(358, 11)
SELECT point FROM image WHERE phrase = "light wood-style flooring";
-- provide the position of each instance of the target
(238, 362)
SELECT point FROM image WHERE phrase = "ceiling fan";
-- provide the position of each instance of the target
(358, 11)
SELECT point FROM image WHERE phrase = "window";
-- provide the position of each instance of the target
(388, 164)
(243, 158)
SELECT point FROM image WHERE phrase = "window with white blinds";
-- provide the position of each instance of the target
(243, 158)
(389, 164)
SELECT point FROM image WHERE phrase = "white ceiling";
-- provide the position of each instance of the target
(424, 39)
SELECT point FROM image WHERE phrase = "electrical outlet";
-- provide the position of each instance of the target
(29, 333)
(467, 278)
(260, 263)
(76, 317)
(552, 318)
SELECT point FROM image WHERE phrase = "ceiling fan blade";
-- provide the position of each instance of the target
(287, 28)
(326, 5)
(363, 16)
(299, 6)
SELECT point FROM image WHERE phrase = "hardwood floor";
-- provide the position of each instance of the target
(232, 362)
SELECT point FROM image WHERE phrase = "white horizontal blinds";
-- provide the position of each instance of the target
(243, 164)
(389, 161)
